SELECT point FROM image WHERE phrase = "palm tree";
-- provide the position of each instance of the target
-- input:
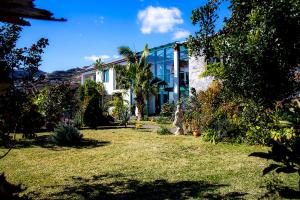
(136, 75)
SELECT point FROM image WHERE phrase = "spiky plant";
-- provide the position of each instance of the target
(137, 75)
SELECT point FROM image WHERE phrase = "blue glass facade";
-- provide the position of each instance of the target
(162, 66)
(183, 72)
(105, 75)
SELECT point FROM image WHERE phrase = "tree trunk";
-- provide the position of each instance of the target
(140, 107)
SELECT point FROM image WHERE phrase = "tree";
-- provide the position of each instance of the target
(257, 51)
(57, 102)
(91, 98)
(18, 68)
(136, 75)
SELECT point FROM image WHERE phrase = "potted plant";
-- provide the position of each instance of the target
(196, 124)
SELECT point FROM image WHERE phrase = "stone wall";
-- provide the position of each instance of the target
(196, 67)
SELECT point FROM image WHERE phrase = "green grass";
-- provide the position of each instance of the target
(138, 164)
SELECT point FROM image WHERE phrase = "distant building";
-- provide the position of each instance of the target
(171, 65)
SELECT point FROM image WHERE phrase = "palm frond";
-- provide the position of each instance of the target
(127, 53)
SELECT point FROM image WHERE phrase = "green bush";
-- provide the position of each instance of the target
(163, 131)
(162, 120)
(211, 135)
(121, 110)
(168, 110)
(78, 120)
(93, 115)
(31, 121)
(66, 135)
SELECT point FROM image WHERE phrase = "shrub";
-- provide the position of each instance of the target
(168, 110)
(66, 135)
(211, 135)
(78, 120)
(138, 126)
(31, 121)
(163, 131)
(162, 120)
(121, 110)
(93, 115)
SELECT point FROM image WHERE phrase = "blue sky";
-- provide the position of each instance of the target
(96, 28)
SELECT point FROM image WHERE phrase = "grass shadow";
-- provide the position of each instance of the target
(101, 187)
(276, 190)
(45, 141)
(106, 127)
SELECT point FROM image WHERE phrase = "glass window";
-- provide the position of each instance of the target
(160, 55)
(105, 75)
(151, 58)
(169, 54)
(183, 52)
(160, 71)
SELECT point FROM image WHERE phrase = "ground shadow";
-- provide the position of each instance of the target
(276, 190)
(45, 141)
(105, 127)
(98, 187)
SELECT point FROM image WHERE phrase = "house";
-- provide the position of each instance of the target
(171, 64)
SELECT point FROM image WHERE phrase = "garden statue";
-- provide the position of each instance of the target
(178, 121)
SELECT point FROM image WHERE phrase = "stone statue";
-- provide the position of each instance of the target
(178, 121)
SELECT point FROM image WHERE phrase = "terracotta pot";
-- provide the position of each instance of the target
(196, 133)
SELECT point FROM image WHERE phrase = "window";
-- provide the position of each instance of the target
(106, 76)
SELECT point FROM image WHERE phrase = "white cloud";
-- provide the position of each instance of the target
(94, 57)
(181, 34)
(116, 56)
(159, 19)
(99, 20)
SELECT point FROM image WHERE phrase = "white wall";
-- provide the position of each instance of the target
(111, 84)
(196, 67)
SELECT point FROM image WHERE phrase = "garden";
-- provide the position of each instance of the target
(239, 139)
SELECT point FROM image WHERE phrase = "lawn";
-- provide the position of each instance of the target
(138, 164)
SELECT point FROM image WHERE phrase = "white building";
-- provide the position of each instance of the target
(171, 64)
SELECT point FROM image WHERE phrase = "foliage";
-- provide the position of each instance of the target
(162, 120)
(78, 120)
(93, 115)
(168, 110)
(255, 58)
(257, 50)
(121, 109)
(163, 131)
(91, 96)
(57, 102)
(211, 135)
(66, 135)
(287, 158)
(15, 60)
(201, 108)
(192, 112)
(31, 121)
(9, 190)
(89, 89)
(136, 75)
(18, 79)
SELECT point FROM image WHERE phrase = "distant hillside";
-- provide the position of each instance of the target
(73, 75)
